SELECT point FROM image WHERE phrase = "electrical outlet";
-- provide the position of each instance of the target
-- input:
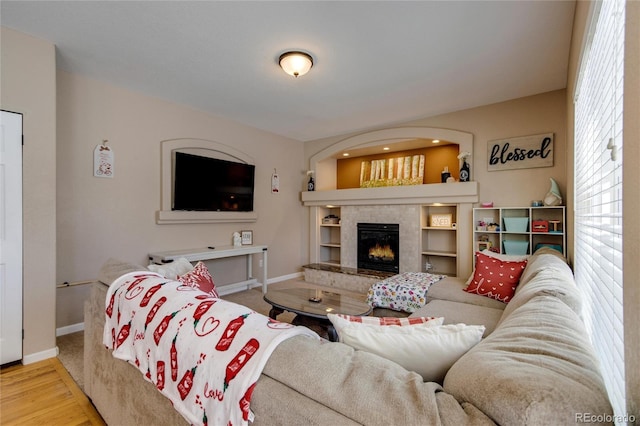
(428, 266)
(260, 263)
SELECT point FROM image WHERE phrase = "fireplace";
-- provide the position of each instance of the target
(379, 246)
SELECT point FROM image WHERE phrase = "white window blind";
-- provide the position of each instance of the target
(598, 192)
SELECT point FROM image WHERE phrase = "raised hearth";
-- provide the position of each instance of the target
(352, 279)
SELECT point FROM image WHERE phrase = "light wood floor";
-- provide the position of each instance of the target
(43, 393)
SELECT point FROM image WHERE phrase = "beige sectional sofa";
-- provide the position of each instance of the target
(535, 366)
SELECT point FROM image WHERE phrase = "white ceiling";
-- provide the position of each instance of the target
(376, 63)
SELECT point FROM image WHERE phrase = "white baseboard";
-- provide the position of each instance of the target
(234, 288)
(40, 356)
(285, 278)
(68, 329)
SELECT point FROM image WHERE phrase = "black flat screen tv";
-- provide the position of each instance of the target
(210, 184)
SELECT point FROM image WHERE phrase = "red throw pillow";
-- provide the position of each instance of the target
(199, 277)
(495, 278)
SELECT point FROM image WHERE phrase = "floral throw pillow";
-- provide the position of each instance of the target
(495, 278)
(403, 292)
(200, 278)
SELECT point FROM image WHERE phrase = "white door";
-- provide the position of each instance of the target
(10, 237)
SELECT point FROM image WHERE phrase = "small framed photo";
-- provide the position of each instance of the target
(441, 220)
(247, 237)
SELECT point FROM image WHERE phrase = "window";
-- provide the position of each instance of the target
(598, 191)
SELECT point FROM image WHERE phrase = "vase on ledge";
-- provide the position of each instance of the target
(464, 172)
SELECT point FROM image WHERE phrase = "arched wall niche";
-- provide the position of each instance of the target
(203, 147)
(324, 162)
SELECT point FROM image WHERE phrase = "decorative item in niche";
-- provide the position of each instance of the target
(465, 172)
(311, 185)
(445, 175)
(237, 239)
(524, 152)
(440, 220)
(103, 160)
(399, 171)
(553, 197)
(247, 237)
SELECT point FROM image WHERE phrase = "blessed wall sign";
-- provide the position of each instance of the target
(525, 152)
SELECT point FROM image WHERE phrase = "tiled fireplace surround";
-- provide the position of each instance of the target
(401, 205)
(347, 277)
(407, 216)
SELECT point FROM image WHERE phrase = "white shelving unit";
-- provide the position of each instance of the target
(439, 239)
(516, 226)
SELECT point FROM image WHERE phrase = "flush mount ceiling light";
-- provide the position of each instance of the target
(296, 63)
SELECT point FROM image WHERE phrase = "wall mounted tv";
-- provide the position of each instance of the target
(211, 184)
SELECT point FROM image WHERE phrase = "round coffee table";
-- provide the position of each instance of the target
(311, 306)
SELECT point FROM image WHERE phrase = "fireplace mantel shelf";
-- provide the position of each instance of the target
(453, 193)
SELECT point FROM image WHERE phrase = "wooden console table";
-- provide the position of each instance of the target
(205, 253)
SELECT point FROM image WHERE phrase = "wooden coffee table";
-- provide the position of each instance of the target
(299, 301)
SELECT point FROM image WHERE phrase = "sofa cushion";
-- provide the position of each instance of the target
(546, 273)
(495, 278)
(363, 386)
(456, 312)
(451, 289)
(114, 268)
(172, 270)
(427, 349)
(537, 367)
(541, 260)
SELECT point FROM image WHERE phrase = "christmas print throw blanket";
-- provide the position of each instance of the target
(203, 353)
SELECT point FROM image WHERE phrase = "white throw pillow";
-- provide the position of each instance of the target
(429, 350)
(172, 270)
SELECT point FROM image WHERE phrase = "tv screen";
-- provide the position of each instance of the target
(210, 184)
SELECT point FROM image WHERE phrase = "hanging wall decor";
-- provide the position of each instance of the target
(524, 152)
(103, 161)
(275, 182)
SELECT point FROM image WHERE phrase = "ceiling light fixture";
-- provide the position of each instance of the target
(345, 154)
(296, 63)
(435, 141)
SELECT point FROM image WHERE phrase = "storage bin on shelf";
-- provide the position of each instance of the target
(540, 226)
(516, 247)
(516, 224)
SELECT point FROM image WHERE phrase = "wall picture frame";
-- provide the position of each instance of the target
(246, 237)
(444, 220)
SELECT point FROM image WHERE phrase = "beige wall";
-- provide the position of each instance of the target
(28, 86)
(100, 218)
(631, 177)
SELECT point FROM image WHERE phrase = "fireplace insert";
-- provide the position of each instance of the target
(379, 246)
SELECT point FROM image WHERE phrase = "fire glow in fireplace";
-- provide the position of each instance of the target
(379, 246)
